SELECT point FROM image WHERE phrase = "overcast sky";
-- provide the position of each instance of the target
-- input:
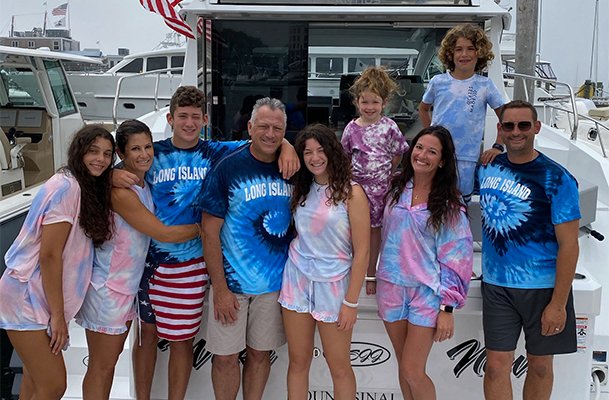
(114, 23)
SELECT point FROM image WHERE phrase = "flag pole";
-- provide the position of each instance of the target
(68, 12)
(44, 26)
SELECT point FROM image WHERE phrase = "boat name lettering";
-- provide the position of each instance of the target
(201, 355)
(475, 355)
(339, 2)
(326, 395)
(368, 354)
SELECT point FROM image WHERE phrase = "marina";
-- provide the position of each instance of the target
(282, 48)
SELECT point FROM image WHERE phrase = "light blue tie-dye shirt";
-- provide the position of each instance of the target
(460, 107)
(520, 205)
(254, 201)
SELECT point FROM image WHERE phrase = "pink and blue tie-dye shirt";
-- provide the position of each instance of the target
(371, 149)
(322, 250)
(413, 254)
(119, 263)
(57, 201)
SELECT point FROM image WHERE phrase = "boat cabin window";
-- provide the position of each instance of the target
(177, 62)
(360, 63)
(19, 88)
(134, 67)
(59, 86)
(155, 63)
(310, 67)
(326, 66)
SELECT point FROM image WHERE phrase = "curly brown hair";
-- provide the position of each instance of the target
(339, 166)
(478, 38)
(375, 80)
(187, 96)
(95, 213)
(444, 201)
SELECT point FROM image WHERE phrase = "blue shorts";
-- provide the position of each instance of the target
(145, 311)
(466, 170)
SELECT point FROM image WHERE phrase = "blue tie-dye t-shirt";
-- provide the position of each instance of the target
(521, 204)
(460, 107)
(176, 182)
(254, 201)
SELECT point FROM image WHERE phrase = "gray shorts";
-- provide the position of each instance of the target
(259, 325)
(507, 311)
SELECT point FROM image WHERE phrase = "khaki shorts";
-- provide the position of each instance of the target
(259, 325)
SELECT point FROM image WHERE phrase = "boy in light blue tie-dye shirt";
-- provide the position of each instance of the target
(460, 97)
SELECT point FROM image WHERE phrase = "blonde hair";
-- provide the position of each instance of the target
(478, 38)
(375, 80)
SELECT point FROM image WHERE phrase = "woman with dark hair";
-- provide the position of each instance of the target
(426, 257)
(48, 266)
(327, 262)
(109, 305)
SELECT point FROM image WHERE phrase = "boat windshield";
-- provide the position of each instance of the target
(310, 67)
(19, 88)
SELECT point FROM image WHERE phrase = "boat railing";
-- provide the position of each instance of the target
(119, 84)
(555, 103)
(532, 80)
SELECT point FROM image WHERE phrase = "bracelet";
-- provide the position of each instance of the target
(498, 147)
(371, 279)
(198, 226)
(350, 305)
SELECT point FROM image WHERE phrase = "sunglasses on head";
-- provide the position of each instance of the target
(523, 126)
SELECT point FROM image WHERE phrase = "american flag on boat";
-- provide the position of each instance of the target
(60, 9)
(166, 9)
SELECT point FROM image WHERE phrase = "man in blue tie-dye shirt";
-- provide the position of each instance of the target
(530, 221)
(246, 219)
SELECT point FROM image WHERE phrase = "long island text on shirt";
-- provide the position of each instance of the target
(254, 201)
(521, 204)
(176, 182)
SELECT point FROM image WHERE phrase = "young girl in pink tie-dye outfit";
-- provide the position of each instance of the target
(375, 145)
(48, 266)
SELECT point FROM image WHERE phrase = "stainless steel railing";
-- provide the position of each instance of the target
(571, 96)
(157, 72)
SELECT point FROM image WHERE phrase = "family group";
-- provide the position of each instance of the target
(286, 237)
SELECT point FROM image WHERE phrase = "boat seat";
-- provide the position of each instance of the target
(601, 113)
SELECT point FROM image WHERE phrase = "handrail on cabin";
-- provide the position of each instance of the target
(571, 95)
(158, 73)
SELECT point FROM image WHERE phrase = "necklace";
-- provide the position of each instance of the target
(416, 196)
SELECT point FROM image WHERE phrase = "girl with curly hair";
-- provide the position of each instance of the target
(48, 266)
(327, 262)
(460, 98)
(426, 257)
(375, 145)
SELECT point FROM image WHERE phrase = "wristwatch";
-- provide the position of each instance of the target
(446, 309)
(498, 146)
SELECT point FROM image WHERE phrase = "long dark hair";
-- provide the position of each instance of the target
(95, 216)
(444, 201)
(339, 166)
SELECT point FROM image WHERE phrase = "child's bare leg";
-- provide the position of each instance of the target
(375, 249)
